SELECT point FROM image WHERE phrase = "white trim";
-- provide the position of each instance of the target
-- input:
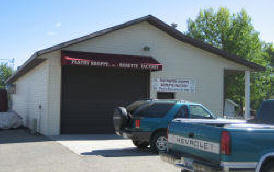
(239, 164)
(247, 94)
(263, 159)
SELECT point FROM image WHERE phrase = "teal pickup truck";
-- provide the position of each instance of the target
(223, 145)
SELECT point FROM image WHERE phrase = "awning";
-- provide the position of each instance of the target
(110, 60)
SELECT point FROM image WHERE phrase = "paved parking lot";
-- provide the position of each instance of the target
(21, 151)
(113, 153)
(93, 144)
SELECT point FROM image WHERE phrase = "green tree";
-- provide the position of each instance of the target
(5, 73)
(269, 49)
(262, 82)
(235, 34)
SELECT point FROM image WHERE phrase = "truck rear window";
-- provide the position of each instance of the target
(155, 110)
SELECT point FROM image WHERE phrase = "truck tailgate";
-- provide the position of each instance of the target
(195, 139)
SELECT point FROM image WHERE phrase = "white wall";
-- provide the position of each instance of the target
(180, 60)
(31, 91)
(41, 86)
(54, 93)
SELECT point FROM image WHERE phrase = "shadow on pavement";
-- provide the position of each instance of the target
(121, 152)
(21, 135)
(24, 136)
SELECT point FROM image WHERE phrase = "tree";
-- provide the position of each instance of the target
(235, 34)
(5, 73)
(269, 49)
(269, 54)
(262, 82)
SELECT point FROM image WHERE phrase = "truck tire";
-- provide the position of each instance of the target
(120, 118)
(140, 145)
(158, 142)
(269, 167)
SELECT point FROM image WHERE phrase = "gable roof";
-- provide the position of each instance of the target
(34, 60)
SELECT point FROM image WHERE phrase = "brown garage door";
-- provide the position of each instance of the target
(89, 96)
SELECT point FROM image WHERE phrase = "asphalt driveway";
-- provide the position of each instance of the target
(113, 153)
(21, 151)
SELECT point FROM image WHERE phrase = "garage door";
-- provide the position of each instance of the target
(90, 94)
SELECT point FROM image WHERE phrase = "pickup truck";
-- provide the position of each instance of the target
(222, 144)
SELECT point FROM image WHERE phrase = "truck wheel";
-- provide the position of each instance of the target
(159, 142)
(140, 145)
(269, 167)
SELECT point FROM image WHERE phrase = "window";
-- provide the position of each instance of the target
(136, 105)
(197, 111)
(182, 113)
(156, 110)
(165, 95)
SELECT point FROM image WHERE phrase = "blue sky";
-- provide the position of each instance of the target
(30, 25)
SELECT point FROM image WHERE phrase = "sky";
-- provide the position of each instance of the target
(28, 26)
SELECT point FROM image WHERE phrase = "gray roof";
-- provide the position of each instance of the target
(34, 59)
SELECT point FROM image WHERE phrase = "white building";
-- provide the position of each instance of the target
(73, 87)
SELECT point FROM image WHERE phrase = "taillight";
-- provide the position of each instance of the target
(225, 143)
(137, 123)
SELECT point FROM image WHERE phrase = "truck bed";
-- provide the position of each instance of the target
(223, 143)
(202, 138)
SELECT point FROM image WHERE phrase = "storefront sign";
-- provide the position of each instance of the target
(173, 85)
(111, 60)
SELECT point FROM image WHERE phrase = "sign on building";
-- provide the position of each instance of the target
(173, 85)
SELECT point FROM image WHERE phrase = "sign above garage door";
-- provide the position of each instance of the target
(110, 60)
